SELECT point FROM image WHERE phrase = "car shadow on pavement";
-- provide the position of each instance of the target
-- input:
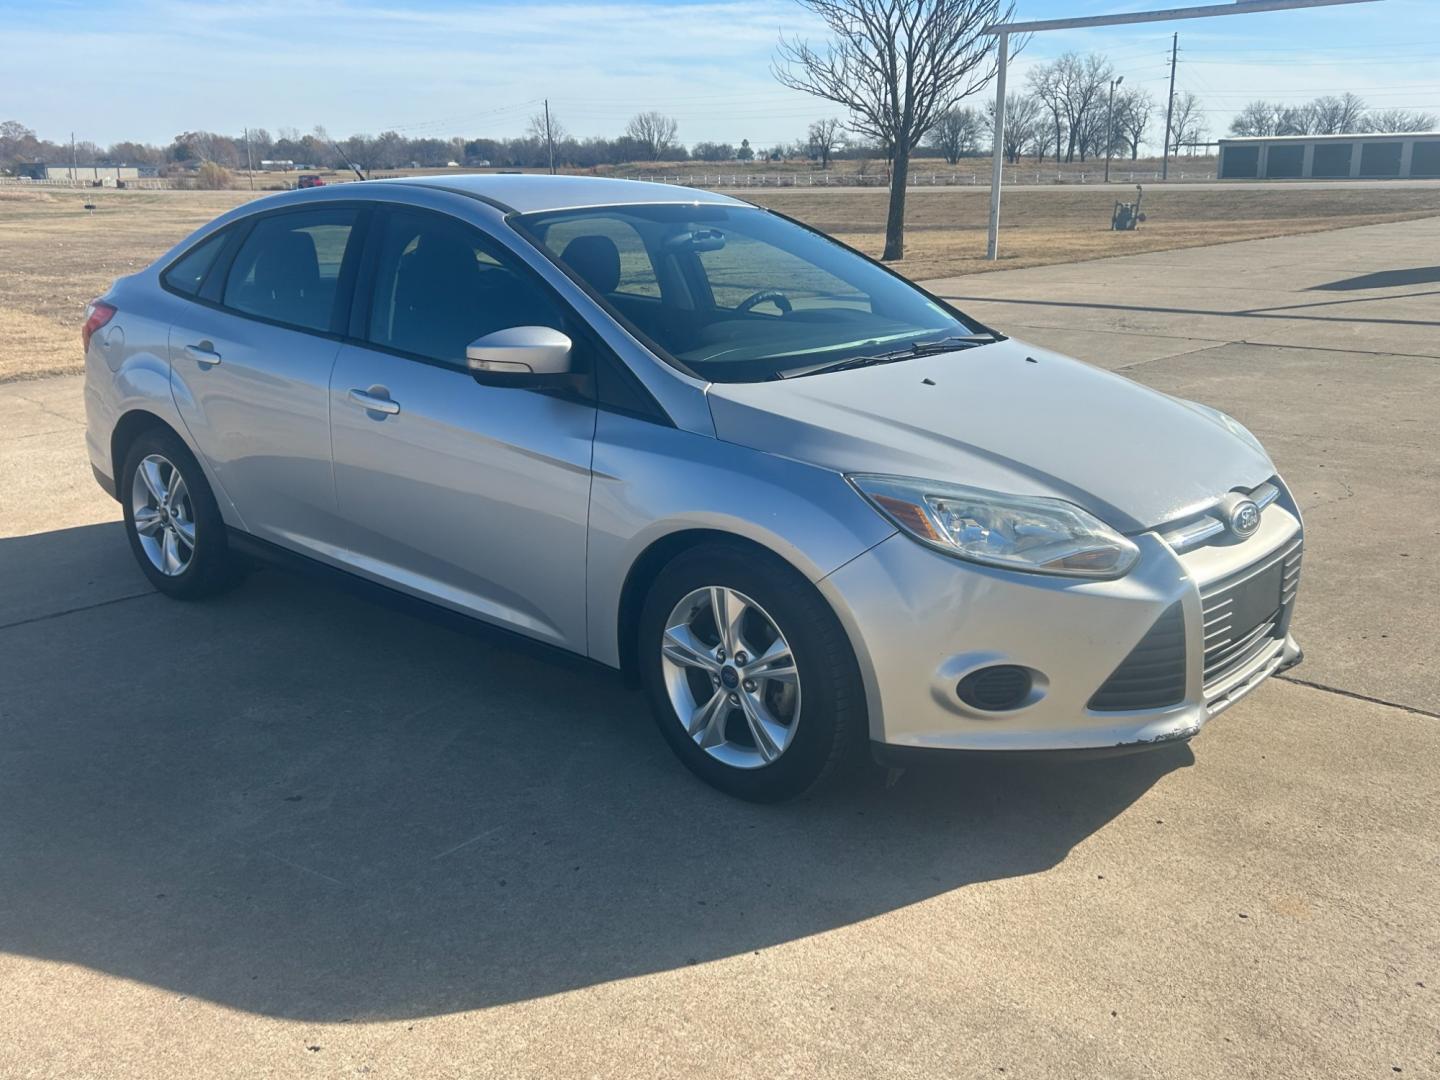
(293, 802)
(1382, 279)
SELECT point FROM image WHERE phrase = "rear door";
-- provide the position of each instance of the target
(251, 360)
(474, 496)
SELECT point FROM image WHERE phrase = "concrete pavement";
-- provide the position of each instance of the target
(289, 833)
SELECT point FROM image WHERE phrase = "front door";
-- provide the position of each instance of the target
(473, 496)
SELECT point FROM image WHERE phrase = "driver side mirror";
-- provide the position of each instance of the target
(520, 356)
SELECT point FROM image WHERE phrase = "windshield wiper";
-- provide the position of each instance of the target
(910, 352)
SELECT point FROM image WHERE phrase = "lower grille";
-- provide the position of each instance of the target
(1153, 675)
(1246, 612)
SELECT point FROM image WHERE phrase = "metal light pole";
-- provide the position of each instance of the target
(1003, 31)
(997, 168)
(1110, 125)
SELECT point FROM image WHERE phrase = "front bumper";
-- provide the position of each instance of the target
(921, 621)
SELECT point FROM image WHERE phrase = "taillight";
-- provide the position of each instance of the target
(96, 315)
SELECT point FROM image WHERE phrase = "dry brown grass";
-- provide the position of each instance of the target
(946, 228)
(57, 256)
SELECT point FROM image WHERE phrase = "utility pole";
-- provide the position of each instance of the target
(249, 161)
(549, 137)
(1169, 107)
(1110, 125)
(74, 165)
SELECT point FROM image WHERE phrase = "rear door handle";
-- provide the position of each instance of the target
(370, 402)
(202, 354)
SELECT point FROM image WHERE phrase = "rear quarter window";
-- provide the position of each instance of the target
(187, 273)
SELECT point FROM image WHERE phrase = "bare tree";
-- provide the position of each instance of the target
(542, 130)
(1045, 86)
(822, 139)
(1187, 122)
(17, 142)
(1296, 120)
(1343, 115)
(1025, 125)
(956, 133)
(1257, 120)
(655, 132)
(1083, 80)
(1400, 121)
(898, 66)
(1073, 91)
(1133, 111)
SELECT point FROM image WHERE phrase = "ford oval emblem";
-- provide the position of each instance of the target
(1244, 518)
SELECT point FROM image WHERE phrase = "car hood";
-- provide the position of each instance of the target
(1007, 417)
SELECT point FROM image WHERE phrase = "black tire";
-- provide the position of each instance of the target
(832, 728)
(212, 567)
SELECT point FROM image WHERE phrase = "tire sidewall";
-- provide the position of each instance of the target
(829, 701)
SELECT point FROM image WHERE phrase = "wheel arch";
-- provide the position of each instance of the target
(134, 422)
(130, 427)
(647, 566)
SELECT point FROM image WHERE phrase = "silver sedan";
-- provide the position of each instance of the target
(808, 507)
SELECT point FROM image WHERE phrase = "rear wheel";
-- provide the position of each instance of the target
(171, 519)
(749, 674)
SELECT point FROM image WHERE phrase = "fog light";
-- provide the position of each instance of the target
(997, 688)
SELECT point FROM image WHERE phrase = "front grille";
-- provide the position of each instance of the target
(1153, 675)
(1246, 612)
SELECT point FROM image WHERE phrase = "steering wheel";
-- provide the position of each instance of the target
(773, 296)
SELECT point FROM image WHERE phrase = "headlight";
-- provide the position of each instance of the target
(1017, 532)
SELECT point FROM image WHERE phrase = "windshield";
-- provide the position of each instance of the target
(737, 294)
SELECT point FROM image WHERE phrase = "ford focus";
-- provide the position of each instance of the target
(806, 506)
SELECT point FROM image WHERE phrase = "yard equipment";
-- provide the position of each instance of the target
(1127, 216)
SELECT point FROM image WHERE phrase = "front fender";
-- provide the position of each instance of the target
(652, 481)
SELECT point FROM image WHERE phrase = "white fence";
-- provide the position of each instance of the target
(917, 179)
(144, 183)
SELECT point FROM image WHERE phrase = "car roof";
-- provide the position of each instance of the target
(527, 193)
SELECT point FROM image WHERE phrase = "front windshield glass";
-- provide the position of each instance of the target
(737, 294)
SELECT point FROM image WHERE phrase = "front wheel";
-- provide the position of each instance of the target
(750, 675)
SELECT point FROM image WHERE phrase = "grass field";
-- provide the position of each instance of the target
(58, 256)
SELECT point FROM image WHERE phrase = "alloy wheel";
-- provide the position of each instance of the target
(164, 515)
(731, 677)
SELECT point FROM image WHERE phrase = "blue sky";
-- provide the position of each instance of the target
(148, 69)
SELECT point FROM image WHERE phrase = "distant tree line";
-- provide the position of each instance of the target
(1060, 115)
(649, 137)
(1347, 114)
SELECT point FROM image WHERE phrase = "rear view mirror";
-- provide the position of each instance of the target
(524, 355)
(696, 240)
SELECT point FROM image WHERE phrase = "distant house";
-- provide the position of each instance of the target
(1331, 157)
(277, 165)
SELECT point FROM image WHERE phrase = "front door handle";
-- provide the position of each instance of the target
(203, 354)
(372, 403)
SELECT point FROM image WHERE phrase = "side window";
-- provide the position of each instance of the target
(187, 273)
(440, 284)
(741, 268)
(289, 266)
(607, 253)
